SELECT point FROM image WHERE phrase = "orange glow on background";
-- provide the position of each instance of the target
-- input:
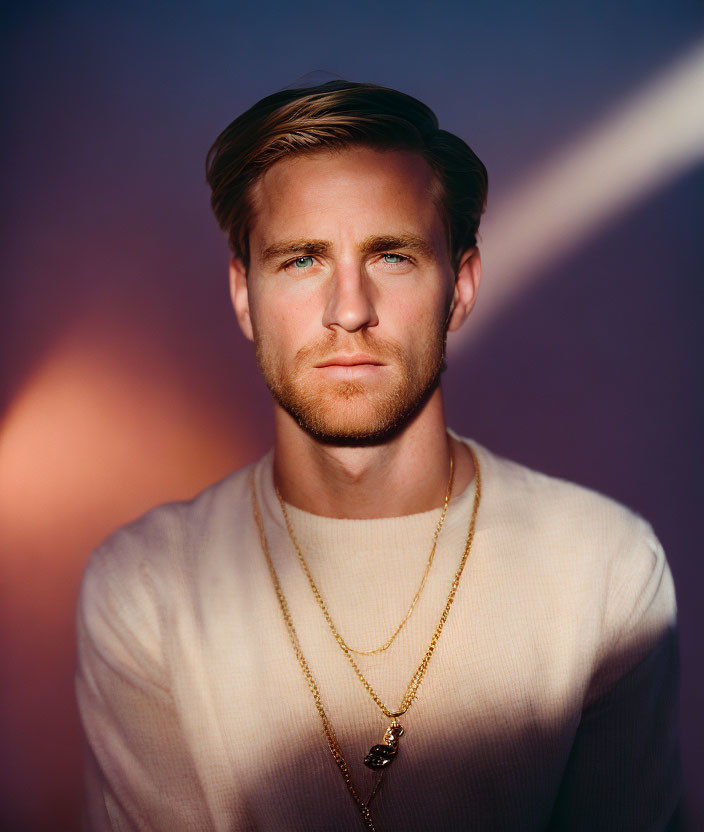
(98, 434)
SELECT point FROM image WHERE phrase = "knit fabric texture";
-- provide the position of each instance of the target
(551, 701)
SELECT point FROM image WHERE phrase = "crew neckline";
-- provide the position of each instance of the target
(273, 509)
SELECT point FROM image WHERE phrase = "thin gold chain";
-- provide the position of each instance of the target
(412, 689)
(333, 743)
(319, 598)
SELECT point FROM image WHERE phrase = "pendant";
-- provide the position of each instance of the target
(381, 755)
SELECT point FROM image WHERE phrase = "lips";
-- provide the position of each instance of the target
(348, 361)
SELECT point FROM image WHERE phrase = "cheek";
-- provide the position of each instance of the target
(282, 322)
(413, 316)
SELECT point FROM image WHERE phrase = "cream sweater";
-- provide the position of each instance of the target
(550, 702)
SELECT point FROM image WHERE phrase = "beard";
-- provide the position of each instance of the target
(354, 412)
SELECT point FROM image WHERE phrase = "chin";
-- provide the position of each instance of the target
(350, 434)
(349, 427)
(353, 417)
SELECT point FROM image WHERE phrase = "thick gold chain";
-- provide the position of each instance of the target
(319, 598)
(333, 744)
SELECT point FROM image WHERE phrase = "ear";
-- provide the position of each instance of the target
(467, 280)
(239, 293)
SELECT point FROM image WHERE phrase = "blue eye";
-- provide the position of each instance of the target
(397, 262)
(300, 262)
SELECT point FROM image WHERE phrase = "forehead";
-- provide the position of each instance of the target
(356, 191)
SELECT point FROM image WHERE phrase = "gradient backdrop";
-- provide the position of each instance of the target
(127, 384)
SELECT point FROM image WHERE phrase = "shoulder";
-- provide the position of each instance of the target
(162, 530)
(528, 504)
(588, 551)
(140, 566)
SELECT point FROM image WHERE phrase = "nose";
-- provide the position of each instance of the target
(350, 304)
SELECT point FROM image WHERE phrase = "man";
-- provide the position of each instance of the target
(379, 624)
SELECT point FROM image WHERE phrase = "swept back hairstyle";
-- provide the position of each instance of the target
(336, 115)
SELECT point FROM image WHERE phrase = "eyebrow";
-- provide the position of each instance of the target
(370, 245)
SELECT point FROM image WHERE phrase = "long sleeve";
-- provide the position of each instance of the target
(624, 769)
(138, 771)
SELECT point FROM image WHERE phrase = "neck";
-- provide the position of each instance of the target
(406, 475)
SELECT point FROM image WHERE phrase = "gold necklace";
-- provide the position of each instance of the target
(318, 597)
(381, 754)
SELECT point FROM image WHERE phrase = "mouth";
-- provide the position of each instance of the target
(350, 368)
(359, 360)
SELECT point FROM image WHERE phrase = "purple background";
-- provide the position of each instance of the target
(126, 382)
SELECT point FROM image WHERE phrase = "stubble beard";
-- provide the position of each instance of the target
(354, 412)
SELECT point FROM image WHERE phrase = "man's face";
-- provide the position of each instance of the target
(348, 291)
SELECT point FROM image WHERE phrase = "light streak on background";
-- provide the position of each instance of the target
(646, 141)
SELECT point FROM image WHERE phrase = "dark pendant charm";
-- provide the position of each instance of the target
(381, 756)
